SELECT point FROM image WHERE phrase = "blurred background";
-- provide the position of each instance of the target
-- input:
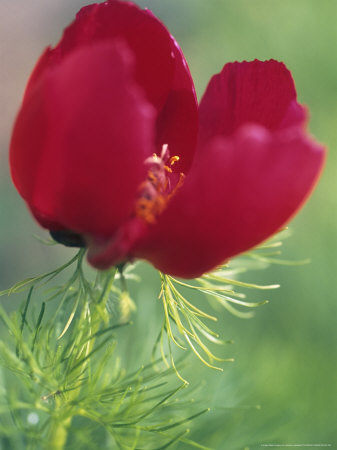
(281, 389)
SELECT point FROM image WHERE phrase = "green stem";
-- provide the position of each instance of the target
(89, 323)
(58, 434)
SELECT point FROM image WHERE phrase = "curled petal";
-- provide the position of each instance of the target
(144, 34)
(160, 68)
(81, 139)
(260, 92)
(239, 192)
(177, 124)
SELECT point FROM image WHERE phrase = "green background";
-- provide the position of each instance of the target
(282, 387)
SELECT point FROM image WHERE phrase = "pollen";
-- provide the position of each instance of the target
(160, 186)
(171, 161)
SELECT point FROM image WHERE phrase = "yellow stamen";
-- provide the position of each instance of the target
(173, 160)
(155, 192)
(178, 185)
(168, 169)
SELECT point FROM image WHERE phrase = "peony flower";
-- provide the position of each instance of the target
(111, 150)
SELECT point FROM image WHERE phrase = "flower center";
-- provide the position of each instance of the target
(160, 186)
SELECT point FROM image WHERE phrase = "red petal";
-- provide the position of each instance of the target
(80, 141)
(249, 92)
(43, 64)
(106, 252)
(145, 35)
(239, 192)
(177, 124)
(161, 68)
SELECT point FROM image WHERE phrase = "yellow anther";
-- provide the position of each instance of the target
(168, 169)
(157, 190)
(173, 160)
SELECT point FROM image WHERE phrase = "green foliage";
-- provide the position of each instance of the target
(65, 384)
(184, 323)
(65, 387)
(63, 356)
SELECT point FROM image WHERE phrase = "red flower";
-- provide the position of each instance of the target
(111, 149)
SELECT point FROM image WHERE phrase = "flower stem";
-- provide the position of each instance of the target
(93, 317)
(58, 435)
